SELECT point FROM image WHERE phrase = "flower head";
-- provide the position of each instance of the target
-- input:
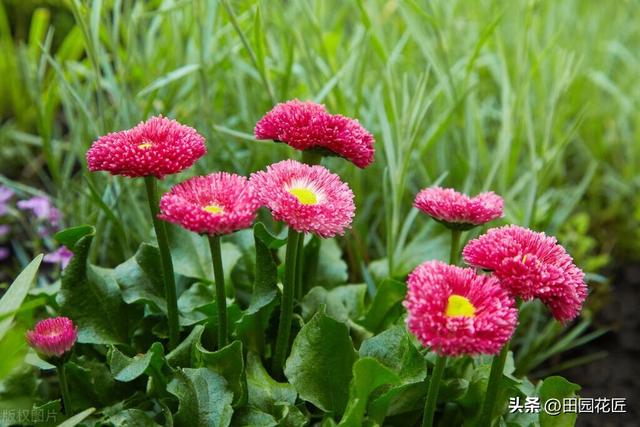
(219, 203)
(42, 208)
(457, 311)
(53, 337)
(4, 253)
(531, 265)
(457, 210)
(307, 125)
(5, 195)
(61, 256)
(157, 147)
(310, 199)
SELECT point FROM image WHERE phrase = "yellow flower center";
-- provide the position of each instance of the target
(459, 306)
(304, 195)
(213, 209)
(145, 145)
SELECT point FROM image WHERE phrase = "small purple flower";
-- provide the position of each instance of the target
(61, 256)
(4, 253)
(5, 195)
(42, 208)
(4, 230)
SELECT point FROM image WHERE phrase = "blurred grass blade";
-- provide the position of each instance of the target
(15, 295)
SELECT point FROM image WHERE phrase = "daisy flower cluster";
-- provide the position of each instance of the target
(307, 198)
(463, 311)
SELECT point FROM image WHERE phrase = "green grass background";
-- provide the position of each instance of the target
(536, 100)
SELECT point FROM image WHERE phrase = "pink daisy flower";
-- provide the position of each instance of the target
(219, 203)
(307, 125)
(457, 210)
(456, 311)
(310, 199)
(53, 337)
(531, 265)
(157, 147)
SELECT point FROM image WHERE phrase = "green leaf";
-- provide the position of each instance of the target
(398, 400)
(389, 296)
(168, 78)
(368, 375)
(291, 416)
(264, 391)
(15, 295)
(18, 390)
(92, 384)
(131, 417)
(395, 349)
(70, 236)
(271, 241)
(342, 303)
(204, 398)
(193, 301)
(253, 417)
(266, 272)
(78, 418)
(90, 296)
(331, 270)
(48, 414)
(183, 355)
(13, 348)
(323, 264)
(255, 319)
(310, 263)
(197, 305)
(470, 402)
(556, 387)
(228, 362)
(320, 363)
(140, 278)
(127, 369)
(270, 397)
(192, 257)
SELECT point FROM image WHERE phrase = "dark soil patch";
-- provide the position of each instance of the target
(617, 375)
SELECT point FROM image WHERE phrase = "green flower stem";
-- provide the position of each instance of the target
(286, 306)
(165, 260)
(432, 392)
(493, 387)
(310, 157)
(299, 268)
(441, 361)
(221, 298)
(455, 246)
(64, 389)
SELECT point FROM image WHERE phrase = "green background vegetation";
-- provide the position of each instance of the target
(535, 100)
